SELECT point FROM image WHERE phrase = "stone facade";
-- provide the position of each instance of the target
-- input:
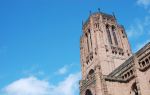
(107, 63)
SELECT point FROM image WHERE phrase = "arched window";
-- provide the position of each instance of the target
(87, 41)
(131, 72)
(147, 61)
(88, 92)
(125, 75)
(89, 32)
(114, 34)
(96, 25)
(108, 34)
(134, 90)
(143, 63)
(128, 74)
(91, 72)
(140, 64)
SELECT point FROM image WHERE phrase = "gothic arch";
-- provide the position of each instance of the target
(91, 72)
(88, 92)
(108, 33)
(114, 34)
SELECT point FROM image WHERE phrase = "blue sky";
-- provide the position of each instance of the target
(39, 41)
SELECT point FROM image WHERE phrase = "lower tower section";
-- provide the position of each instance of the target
(95, 84)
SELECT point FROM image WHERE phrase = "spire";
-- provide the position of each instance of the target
(99, 10)
(114, 15)
(82, 22)
(90, 12)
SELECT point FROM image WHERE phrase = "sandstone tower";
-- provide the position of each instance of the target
(105, 52)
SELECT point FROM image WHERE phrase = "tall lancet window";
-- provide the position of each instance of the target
(87, 42)
(108, 34)
(88, 92)
(90, 37)
(114, 35)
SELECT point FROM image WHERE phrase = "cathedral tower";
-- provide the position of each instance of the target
(103, 47)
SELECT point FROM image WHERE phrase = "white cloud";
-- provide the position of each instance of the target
(34, 86)
(27, 86)
(63, 70)
(139, 28)
(144, 3)
(135, 30)
(69, 86)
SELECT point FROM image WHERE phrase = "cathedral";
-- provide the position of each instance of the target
(108, 65)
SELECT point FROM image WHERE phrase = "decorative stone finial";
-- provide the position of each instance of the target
(82, 22)
(99, 10)
(114, 15)
(90, 12)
